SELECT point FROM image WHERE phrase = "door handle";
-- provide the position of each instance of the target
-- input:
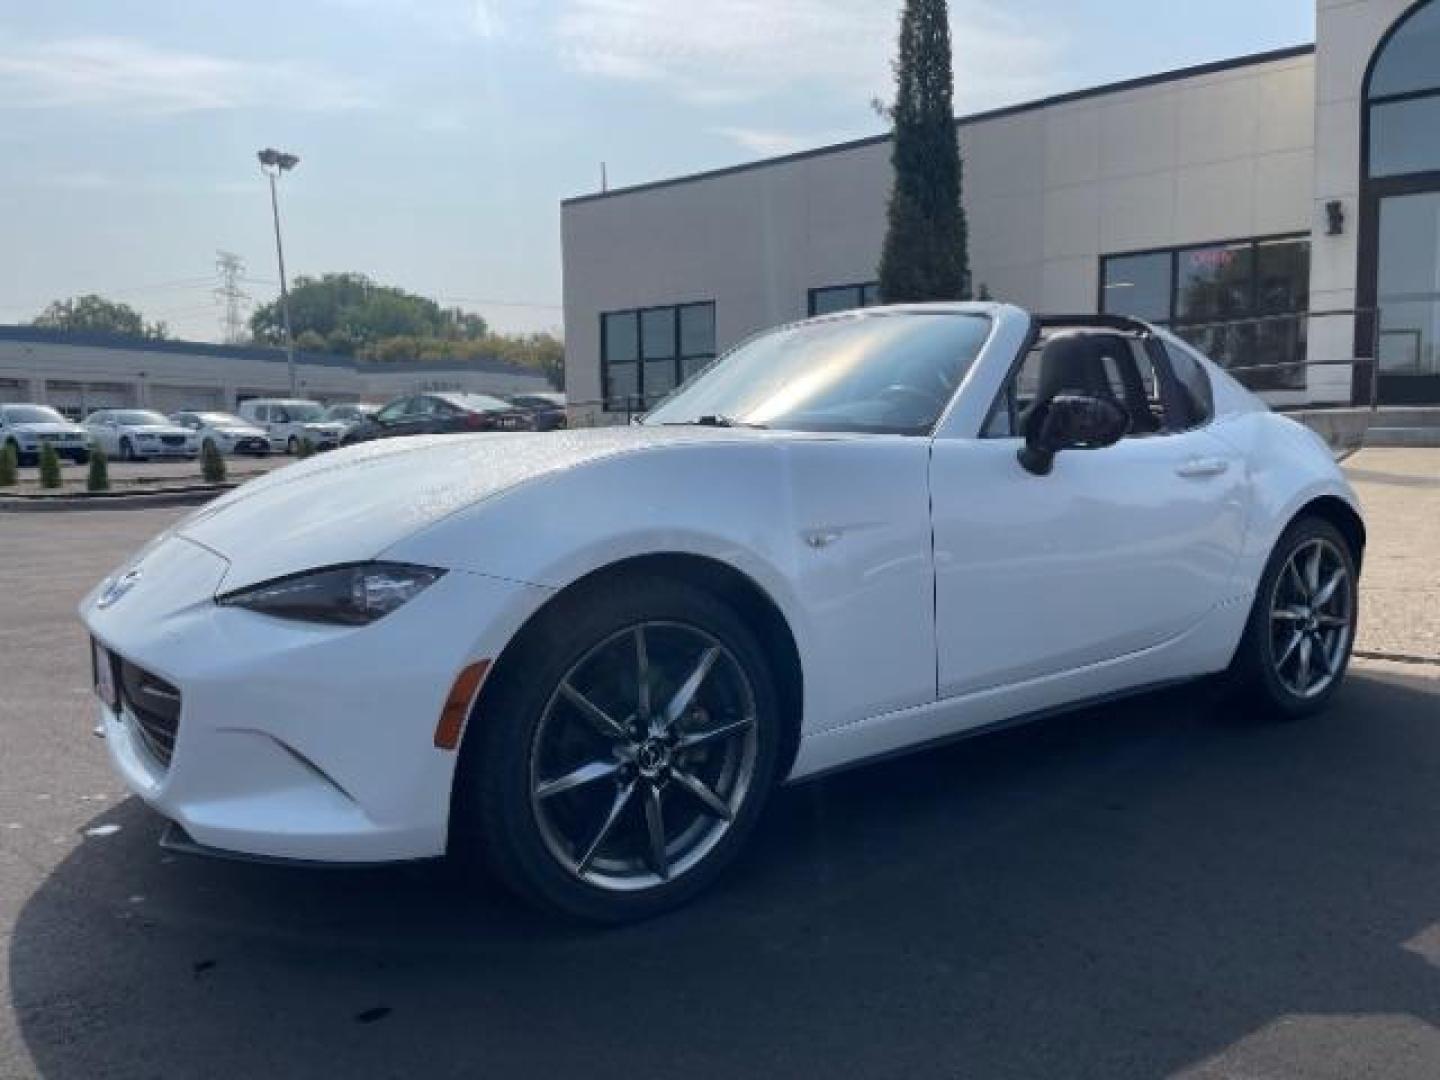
(1200, 468)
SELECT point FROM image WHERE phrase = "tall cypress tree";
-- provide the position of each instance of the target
(925, 255)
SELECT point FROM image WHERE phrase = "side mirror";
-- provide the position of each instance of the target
(1070, 422)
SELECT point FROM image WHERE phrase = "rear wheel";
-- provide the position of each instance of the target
(292, 447)
(623, 755)
(1297, 643)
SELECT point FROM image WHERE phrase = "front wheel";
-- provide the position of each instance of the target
(127, 450)
(624, 753)
(292, 447)
(1297, 644)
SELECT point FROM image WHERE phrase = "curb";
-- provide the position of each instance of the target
(189, 495)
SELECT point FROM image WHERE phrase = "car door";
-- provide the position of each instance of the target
(391, 419)
(103, 430)
(1117, 551)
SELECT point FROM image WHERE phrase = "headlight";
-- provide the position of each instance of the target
(345, 595)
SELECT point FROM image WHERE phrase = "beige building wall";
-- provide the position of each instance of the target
(1213, 155)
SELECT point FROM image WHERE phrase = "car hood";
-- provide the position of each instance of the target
(47, 428)
(238, 431)
(351, 504)
(323, 425)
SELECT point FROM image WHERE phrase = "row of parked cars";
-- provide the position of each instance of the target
(268, 425)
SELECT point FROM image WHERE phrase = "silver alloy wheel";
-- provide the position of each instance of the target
(643, 756)
(1311, 615)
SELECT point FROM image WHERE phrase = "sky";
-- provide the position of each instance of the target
(437, 137)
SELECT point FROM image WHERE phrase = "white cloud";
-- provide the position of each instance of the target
(124, 74)
(707, 52)
(483, 19)
(79, 181)
(768, 143)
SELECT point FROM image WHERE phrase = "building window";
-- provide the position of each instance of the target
(1242, 303)
(647, 352)
(1404, 98)
(833, 298)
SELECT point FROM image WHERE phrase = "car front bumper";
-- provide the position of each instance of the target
(296, 740)
(156, 450)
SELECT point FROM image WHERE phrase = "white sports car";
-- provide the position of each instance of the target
(586, 657)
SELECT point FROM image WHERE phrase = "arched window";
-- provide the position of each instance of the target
(1403, 97)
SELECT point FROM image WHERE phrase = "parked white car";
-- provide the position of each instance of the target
(589, 656)
(228, 433)
(28, 428)
(290, 421)
(139, 434)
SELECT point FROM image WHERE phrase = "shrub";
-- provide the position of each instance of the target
(98, 479)
(304, 449)
(49, 467)
(9, 466)
(212, 463)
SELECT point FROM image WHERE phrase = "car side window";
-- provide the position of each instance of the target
(392, 412)
(1115, 367)
(1198, 397)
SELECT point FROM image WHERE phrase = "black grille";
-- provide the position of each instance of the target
(155, 705)
(173, 440)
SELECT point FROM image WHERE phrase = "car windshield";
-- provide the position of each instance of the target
(886, 372)
(303, 410)
(31, 414)
(140, 416)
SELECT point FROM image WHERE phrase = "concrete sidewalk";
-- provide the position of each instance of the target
(1400, 586)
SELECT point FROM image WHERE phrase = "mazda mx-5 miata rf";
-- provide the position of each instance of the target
(585, 658)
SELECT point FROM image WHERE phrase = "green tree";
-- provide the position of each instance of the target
(9, 466)
(352, 313)
(98, 478)
(310, 341)
(925, 255)
(91, 314)
(50, 476)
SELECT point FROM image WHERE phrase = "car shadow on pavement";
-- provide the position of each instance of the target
(1133, 891)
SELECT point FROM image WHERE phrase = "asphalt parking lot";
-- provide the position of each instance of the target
(1148, 890)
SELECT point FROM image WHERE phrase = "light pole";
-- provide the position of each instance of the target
(272, 164)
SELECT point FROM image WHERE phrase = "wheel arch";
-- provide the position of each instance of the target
(1342, 515)
(736, 588)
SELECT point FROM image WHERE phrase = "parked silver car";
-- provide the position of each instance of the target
(29, 427)
(137, 434)
(290, 421)
(228, 433)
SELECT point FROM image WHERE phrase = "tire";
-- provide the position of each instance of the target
(527, 735)
(127, 450)
(292, 446)
(1287, 628)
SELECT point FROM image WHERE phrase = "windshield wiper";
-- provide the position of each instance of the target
(716, 420)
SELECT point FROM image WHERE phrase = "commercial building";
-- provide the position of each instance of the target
(1282, 210)
(79, 373)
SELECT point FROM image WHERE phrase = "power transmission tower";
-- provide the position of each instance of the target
(231, 268)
